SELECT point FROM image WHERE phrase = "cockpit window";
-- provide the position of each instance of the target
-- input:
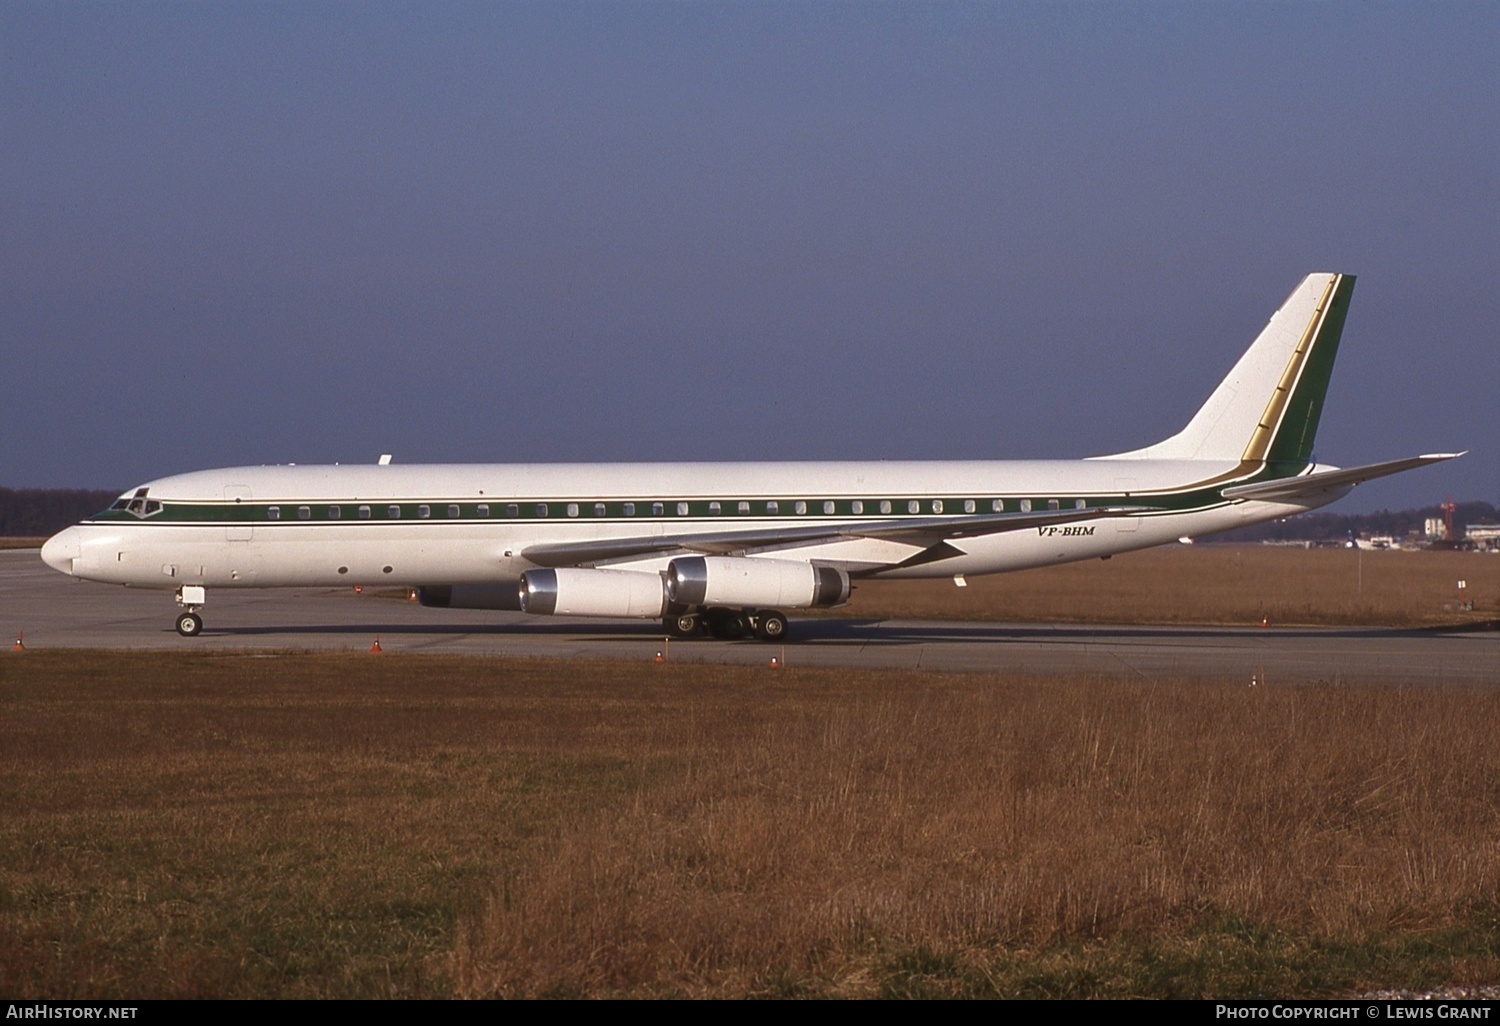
(143, 507)
(137, 503)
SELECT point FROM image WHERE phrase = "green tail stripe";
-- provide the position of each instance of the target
(1292, 444)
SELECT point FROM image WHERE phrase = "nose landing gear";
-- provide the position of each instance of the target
(191, 598)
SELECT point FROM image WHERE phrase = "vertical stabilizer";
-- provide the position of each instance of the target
(1266, 409)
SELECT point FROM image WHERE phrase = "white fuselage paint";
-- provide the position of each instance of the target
(290, 553)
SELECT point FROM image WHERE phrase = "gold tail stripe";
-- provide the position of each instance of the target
(1270, 420)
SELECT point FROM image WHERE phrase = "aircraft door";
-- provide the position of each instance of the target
(1126, 486)
(237, 525)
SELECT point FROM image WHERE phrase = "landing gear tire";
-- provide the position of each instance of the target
(684, 626)
(189, 625)
(726, 624)
(770, 625)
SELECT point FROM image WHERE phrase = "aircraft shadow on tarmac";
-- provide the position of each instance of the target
(829, 631)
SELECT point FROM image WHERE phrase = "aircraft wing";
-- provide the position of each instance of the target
(921, 531)
(1312, 484)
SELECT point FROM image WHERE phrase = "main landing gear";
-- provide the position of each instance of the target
(190, 597)
(729, 624)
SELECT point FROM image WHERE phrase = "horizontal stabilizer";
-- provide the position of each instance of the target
(923, 531)
(1317, 482)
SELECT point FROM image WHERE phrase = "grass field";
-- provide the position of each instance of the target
(365, 826)
(1217, 584)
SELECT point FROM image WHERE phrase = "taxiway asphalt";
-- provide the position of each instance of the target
(55, 611)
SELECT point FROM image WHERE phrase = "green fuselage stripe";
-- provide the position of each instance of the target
(290, 512)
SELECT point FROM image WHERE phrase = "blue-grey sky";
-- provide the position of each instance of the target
(260, 232)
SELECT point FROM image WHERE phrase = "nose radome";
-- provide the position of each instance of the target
(61, 549)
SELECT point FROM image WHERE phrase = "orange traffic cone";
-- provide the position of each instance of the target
(376, 647)
(18, 646)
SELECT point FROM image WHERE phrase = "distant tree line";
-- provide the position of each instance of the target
(33, 512)
(1339, 526)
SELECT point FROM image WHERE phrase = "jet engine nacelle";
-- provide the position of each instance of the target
(741, 581)
(570, 592)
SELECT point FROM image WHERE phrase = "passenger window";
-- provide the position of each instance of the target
(997, 506)
(969, 505)
(714, 509)
(885, 505)
(1079, 504)
(801, 508)
(482, 509)
(453, 512)
(773, 506)
(541, 509)
(273, 512)
(572, 509)
(657, 509)
(599, 509)
(364, 512)
(828, 507)
(334, 512)
(913, 506)
(682, 509)
(394, 512)
(1052, 504)
(1025, 505)
(857, 506)
(937, 505)
(743, 507)
(424, 512)
(304, 512)
(512, 510)
(630, 509)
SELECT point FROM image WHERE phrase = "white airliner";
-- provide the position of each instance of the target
(726, 547)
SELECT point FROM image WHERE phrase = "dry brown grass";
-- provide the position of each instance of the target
(181, 826)
(20, 543)
(358, 826)
(1216, 584)
(844, 843)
